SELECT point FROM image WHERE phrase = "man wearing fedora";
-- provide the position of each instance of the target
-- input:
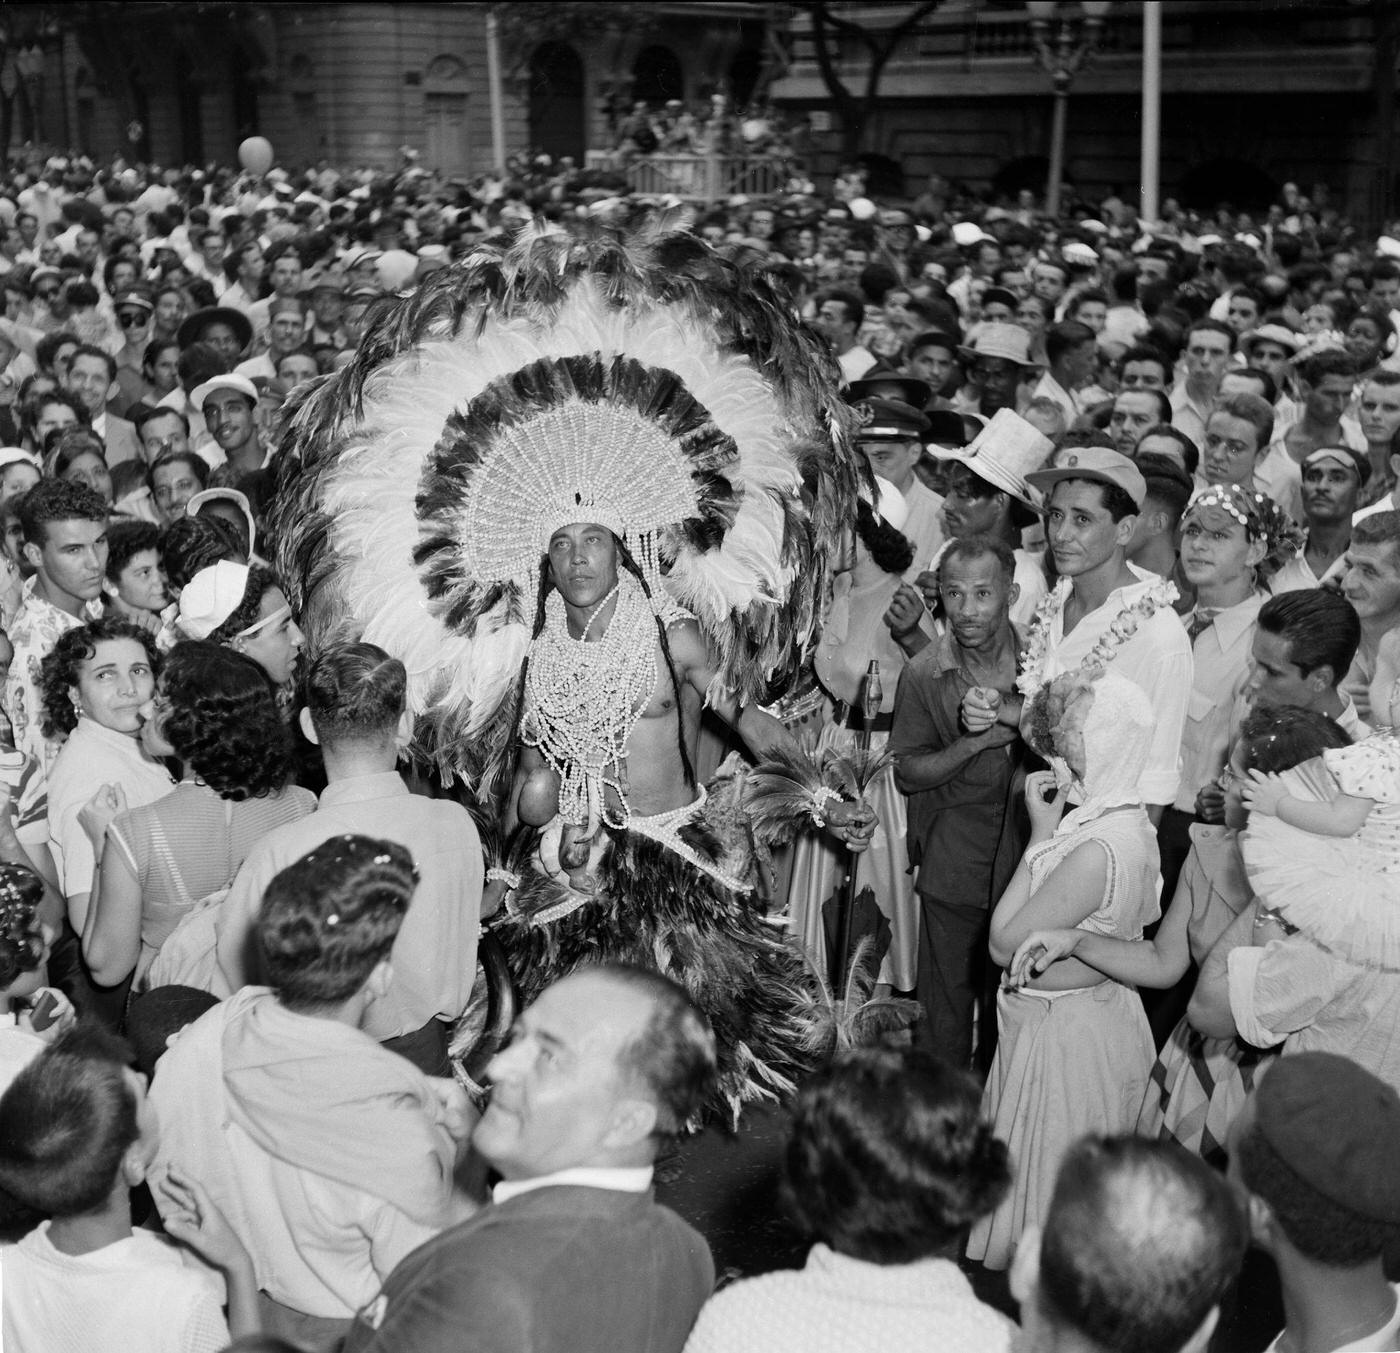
(891, 436)
(998, 361)
(1271, 349)
(987, 495)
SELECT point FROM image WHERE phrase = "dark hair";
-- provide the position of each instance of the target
(260, 582)
(1064, 337)
(141, 414)
(848, 299)
(1318, 1227)
(1269, 387)
(58, 673)
(1083, 437)
(35, 405)
(1167, 483)
(674, 1055)
(153, 350)
(189, 544)
(1190, 452)
(66, 1121)
(1115, 500)
(297, 352)
(1093, 296)
(1164, 405)
(1328, 362)
(331, 917)
(890, 549)
(932, 338)
(52, 500)
(1212, 326)
(198, 362)
(224, 721)
(92, 350)
(1143, 353)
(355, 691)
(46, 349)
(978, 547)
(21, 945)
(1319, 627)
(173, 457)
(125, 540)
(889, 1159)
(1277, 739)
(1141, 1241)
(1251, 409)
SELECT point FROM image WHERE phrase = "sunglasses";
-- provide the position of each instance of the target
(46, 293)
(129, 319)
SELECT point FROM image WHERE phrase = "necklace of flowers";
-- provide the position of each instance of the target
(1105, 648)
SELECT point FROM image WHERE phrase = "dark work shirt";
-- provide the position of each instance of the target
(967, 834)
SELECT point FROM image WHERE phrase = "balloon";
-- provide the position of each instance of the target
(255, 155)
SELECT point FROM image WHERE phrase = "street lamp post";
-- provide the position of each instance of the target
(1062, 56)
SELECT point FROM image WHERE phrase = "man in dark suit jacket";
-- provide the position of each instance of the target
(92, 381)
(573, 1255)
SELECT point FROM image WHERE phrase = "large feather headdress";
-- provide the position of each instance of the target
(639, 381)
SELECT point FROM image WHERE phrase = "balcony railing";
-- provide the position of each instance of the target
(697, 178)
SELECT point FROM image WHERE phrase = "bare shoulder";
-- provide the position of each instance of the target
(687, 644)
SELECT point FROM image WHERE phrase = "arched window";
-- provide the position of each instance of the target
(657, 76)
(557, 122)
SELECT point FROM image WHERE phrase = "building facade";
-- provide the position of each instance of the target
(1254, 92)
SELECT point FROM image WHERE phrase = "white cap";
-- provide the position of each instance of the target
(1077, 252)
(969, 232)
(210, 597)
(230, 382)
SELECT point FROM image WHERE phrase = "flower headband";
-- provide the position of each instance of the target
(1262, 519)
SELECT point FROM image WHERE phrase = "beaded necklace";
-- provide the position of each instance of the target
(583, 698)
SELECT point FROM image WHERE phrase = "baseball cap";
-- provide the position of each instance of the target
(229, 382)
(1095, 463)
(1337, 1127)
(1343, 456)
(888, 420)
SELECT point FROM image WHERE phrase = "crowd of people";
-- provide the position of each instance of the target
(1129, 575)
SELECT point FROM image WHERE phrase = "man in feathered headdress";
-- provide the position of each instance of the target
(582, 488)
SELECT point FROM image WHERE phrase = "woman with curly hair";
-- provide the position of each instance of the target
(216, 712)
(854, 635)
(888, 1165)
(93, 686)
(1074, 1048)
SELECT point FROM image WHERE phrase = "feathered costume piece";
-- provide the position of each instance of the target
(644, 383)
(648, 385)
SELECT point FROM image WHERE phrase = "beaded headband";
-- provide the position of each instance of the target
(1262, 518)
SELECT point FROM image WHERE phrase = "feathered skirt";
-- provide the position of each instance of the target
(655, 909)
